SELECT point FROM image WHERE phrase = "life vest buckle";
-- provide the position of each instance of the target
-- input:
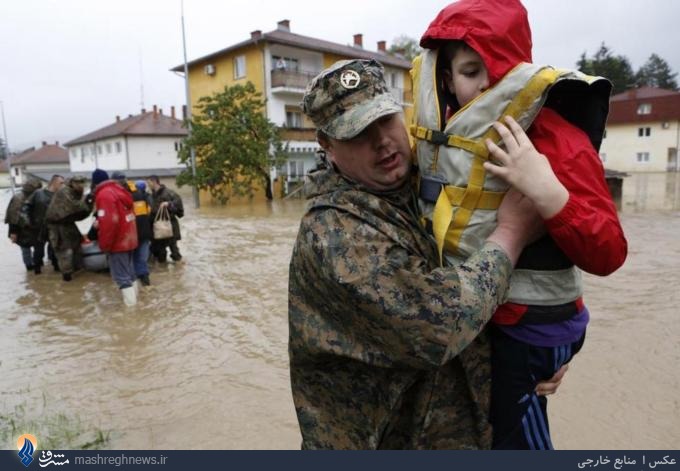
(439, 138)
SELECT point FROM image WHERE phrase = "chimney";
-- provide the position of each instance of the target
(44, 143)
(283, 25)
(143, 110)
(117, 118)
(382, 46)
(160, 111)
(359, 40)
(155, 111)
(172, 112)
(255, 35)
(56, 143)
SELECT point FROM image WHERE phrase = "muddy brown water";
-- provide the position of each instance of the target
(201, 362)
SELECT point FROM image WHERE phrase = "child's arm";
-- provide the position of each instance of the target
(585, 225)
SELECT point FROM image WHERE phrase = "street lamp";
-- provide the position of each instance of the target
(192, 151)
(8, 156)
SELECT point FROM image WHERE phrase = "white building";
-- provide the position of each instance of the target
(42, 163)
(643, 131)
(138, 145)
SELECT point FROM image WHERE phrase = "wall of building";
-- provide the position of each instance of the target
(108, 154)
(153, 152)
(620, 149)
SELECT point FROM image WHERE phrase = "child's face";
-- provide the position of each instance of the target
(468, 76)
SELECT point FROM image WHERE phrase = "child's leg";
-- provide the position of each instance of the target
(519, 416)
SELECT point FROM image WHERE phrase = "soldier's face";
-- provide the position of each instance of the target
(379, 158)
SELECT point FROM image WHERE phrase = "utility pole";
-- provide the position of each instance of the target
(9, 156)
(192, 151)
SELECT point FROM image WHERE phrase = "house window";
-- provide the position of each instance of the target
(16, 171)
(108, 147)
(99, 149)
(644, 108)
(293, 119)
(643, 157)
(119, 148)
(644, 132)
(239, 67)
(285, 63)
(178, 146)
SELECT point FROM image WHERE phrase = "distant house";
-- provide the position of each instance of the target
(42, 163)
(280, 64)
(139, 145)
(4, 175)
(643, 131)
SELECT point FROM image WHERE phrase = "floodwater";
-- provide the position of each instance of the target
(201, 362)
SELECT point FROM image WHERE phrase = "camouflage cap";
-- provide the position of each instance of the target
(77, 179)
(348, 96)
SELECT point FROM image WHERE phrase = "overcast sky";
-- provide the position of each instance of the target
(68, 67)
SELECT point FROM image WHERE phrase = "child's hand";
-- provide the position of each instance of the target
(526, 169)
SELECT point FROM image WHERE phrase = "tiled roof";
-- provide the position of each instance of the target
(148, 123)
(625, 107)
(47, 154)
(305, 42)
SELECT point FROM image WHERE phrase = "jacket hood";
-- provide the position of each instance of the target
(112, 187)
(497, 29)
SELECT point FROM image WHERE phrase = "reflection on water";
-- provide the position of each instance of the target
(202, 362)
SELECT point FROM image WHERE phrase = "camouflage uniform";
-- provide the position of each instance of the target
(66, 207)
(19, 224)
(385, 348)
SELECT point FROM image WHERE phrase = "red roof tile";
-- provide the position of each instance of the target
(144, 124)
(624, 107)
(47, 154)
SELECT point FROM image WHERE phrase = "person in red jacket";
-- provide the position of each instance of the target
(116, 231)
(479, 42)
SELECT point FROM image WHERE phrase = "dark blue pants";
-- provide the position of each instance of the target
(519, 416)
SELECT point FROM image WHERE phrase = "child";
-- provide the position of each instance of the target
(476, 72)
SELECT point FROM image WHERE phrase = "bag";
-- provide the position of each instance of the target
(162, 227)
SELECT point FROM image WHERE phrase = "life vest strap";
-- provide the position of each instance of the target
(439, 138)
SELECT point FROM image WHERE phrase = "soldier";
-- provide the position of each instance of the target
(67, 207)
(34, 209)
(386, 347)
(161, 197)
(21, 231)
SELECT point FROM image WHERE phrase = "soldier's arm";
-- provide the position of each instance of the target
(395, 309)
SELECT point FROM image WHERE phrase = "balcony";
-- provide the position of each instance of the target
(298, 134)
(290, 81)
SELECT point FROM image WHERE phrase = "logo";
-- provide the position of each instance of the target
(26, 444)
(350, 79)
(47, 459)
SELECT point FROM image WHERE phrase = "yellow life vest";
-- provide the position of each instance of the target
(458, 198)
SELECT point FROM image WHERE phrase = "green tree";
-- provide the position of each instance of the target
(236, 145)
(656, 73)
(606, 64)
(406, 46)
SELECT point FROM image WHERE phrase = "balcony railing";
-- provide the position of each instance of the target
(298, 134)
(291, 78)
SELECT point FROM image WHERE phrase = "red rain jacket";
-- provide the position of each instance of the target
(117, 231)
(587, 229)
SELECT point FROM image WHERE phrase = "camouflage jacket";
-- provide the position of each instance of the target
(385, 346)
(64, 210)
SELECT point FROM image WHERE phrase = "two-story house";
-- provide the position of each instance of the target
(643, 131)
(140, 145)
(42, 163)
(280, 64)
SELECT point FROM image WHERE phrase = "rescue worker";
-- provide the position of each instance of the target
(142, 208)
(21, 230)
(116, 231)
(67, 207)
(385, 346)
(478, 69)
(34, 210)
(161, 197)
